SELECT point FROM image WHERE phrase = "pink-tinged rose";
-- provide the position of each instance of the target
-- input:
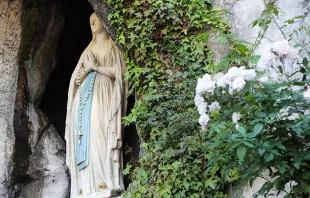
(283, 49)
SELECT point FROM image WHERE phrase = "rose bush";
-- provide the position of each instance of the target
(263, 117)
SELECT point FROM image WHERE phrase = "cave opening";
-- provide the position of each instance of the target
(74, 39)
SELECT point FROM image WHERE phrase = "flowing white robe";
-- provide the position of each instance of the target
(105, 137)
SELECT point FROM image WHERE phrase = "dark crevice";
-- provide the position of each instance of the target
(22, 149)
(74, 39)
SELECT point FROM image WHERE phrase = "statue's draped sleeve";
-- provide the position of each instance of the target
(118, 105)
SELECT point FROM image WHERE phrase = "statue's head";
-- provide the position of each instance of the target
(95, 24)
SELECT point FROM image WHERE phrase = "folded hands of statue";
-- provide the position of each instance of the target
(90, 60)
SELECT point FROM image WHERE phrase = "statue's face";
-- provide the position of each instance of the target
(95, 24)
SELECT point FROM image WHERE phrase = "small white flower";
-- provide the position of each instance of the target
(204, 119)
(215, 106)
(263, 79)
(306, 94)
(236, 117)
(283, 49)
(237, 126)
(238, 84)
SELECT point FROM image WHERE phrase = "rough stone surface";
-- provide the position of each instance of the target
(32, 157)
(10, 31)
(48, 168)
(102, 10)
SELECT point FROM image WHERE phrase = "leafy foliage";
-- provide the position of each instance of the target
(166, 51)
(271, 140)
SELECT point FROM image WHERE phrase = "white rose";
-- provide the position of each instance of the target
(202, 108)
(205, 84)
(229, 78)
(249, 74)
(238, 84)
(207, 77)
(235, 71)
(200, 104)
(215, 106)
(198, 99)
(236, 117)
(204, 119)
(217, 76)
(221, 82)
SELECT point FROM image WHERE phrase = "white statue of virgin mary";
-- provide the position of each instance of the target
(96, 104)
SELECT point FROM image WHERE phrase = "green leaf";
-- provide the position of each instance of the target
(205, 36)
(257, 129)
(260, 114)
(241, 150)
(297, 165)
(281, 146)
(280, 69)
(242, 130)
(255, 59)
(248, 144)
(222, 39)
(275, 11)
(268, 157)
(261, 151)
(241, 48)
(305, 62)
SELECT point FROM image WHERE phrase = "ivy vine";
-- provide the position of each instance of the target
(166, 52)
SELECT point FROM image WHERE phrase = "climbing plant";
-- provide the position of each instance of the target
(166, 51)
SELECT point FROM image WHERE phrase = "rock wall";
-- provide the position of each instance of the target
(10, 31)
(32, 157)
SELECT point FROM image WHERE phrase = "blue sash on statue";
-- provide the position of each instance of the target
(82, 141)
